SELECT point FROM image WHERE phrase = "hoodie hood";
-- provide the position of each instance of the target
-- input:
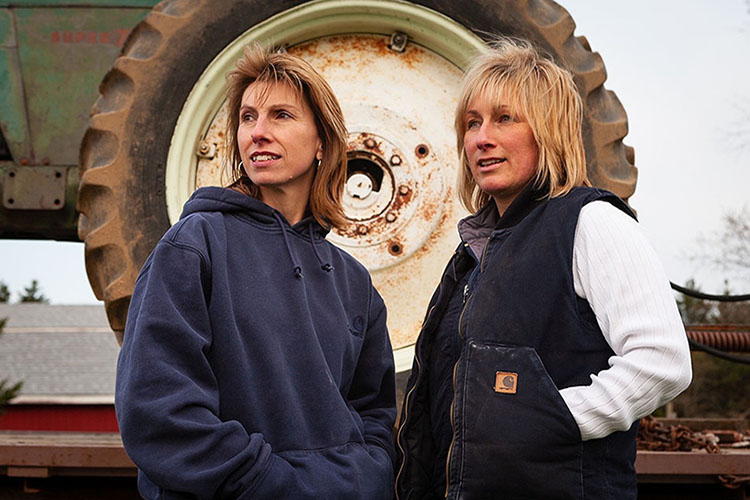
(229, 201)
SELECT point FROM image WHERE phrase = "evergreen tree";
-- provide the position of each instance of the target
(32, 293)
(696, 311)
(7, 391)
(4, 293)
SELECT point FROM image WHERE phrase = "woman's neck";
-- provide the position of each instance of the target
(292, 206)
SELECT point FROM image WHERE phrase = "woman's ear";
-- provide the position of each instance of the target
(319, 153)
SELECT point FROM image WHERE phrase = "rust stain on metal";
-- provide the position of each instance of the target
(430, 210)
(355, 50)
(365, 142)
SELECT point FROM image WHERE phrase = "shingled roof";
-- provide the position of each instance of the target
(62, 353)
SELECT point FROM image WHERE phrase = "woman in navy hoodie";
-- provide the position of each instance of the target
(256, 361)
(554, 328)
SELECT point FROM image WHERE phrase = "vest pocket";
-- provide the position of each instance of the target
(515, 436)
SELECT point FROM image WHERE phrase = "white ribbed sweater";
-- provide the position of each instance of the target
(618, 272)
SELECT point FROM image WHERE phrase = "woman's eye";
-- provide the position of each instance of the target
(284, 114)
(246, 117)
(472, 124)
(505, 118)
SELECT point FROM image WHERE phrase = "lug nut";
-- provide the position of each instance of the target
(395, 160)
(370, 143)
(361, 229)
(398, 41)
(390, 217)
(403, 190)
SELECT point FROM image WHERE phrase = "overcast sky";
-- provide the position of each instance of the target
(681, 70)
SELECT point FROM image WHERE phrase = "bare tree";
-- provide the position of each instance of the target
(728, 249)
(735, 240)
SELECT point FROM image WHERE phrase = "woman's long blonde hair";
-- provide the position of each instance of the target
(260, 64)
(544, 94)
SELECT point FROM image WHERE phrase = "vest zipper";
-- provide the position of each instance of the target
(453, 437)
(466, 299)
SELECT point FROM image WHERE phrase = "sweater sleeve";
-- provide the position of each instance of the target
(617, 271)
(166, 395)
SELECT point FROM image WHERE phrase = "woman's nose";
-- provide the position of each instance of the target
(483, 139)
(260, 130)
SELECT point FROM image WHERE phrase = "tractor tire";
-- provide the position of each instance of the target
(123, 194)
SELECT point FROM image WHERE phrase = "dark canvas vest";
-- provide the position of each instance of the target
(526, 335)
(523, 336)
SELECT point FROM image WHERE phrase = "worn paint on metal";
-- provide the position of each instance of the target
(87, 3)
(7, 33)
(402, 165)
(13, 121)
(63, 54)
(34, 188)
(52, 224)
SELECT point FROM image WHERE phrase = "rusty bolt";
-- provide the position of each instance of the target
(403, 190)
(370, 143)
(398, 41)
(421, 150)
(395, 160)
(362, 229)
(204, 147)
(390, 217)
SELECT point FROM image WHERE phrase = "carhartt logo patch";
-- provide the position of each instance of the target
(506, 382)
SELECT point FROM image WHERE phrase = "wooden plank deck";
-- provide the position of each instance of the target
(45, 454)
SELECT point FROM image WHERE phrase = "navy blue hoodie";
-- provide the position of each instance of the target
(256, 362)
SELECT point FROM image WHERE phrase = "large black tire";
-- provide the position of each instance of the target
(123, 153)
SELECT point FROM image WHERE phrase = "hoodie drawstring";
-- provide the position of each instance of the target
(325, 266)
(297, 267)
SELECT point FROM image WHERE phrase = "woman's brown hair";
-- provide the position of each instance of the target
(263, 65)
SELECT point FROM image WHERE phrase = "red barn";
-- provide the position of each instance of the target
(66, 357)
(60, 433)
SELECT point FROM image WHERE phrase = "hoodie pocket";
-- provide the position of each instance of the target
(515, 436)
